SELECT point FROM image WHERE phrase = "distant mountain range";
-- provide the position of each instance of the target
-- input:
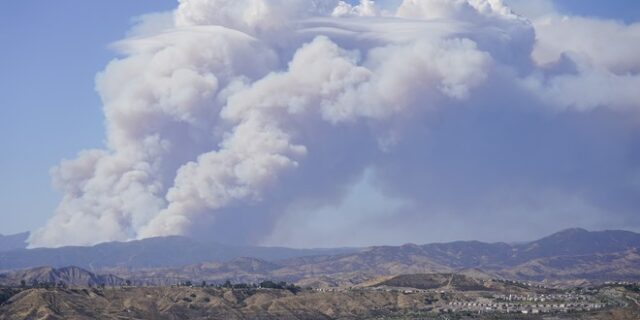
(148, 253)
(566, 255)
(13, 242)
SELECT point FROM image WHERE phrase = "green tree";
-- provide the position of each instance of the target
(268, 284)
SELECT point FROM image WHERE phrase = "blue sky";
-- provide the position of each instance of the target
(626, 10)
(50, 53)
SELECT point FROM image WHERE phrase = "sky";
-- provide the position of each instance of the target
(51, 110)
(50, 55)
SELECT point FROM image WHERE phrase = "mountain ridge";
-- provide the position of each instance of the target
(13, 241)
(67, 276)
(169, 251)
(568, 254)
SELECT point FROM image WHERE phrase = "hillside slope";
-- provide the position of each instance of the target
(70, 276)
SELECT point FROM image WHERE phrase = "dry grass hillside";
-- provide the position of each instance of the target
(229, 304)
(199, 303)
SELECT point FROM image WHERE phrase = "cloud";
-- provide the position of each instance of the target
(597, 43)
(598, 58)
(245, 118)
(366, 8)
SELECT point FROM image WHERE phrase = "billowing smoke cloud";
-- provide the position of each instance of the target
(242, 116)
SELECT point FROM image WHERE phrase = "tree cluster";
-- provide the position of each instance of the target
(268, 284)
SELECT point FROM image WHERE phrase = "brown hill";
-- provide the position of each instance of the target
(208, 303)
(198, 303)
(596, 267)
(435, 281)
(70, 276)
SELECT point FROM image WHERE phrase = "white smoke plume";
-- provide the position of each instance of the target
(238, 103)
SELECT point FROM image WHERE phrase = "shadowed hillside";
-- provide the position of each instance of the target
(147, 253)
(67, 276)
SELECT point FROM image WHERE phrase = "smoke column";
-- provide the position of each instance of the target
(235, 104)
